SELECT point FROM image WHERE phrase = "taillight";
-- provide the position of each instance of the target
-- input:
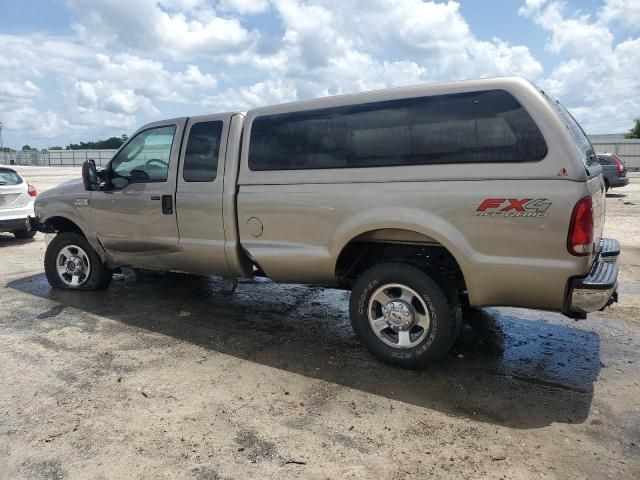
(618, 162)
(31, 190)
(580, 240)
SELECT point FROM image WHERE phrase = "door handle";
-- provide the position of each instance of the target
(167, 204)
(155, 197)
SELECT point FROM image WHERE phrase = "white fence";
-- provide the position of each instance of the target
(628, 150)
(58, 158)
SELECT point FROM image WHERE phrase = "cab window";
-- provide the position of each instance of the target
(203, 148)
(145, 159)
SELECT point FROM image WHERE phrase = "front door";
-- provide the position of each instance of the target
(135, 216)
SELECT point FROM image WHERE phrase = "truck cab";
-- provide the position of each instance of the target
(131, 213)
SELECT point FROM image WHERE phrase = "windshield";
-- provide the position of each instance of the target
(579, 137)
(9, 177)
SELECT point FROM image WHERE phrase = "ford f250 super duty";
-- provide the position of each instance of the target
(420, 200)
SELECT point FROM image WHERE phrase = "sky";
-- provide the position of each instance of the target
(82, 70)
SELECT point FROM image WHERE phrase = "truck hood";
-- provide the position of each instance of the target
(71, 187)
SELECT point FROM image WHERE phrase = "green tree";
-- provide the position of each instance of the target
(55, 148)
(26, 147)
(109, 143)
(635, 131)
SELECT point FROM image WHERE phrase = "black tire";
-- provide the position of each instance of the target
(444, 310)
(606, 185)
(24, 234)
(99, 275)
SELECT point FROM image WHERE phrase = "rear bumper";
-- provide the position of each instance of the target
(14, 224)
(618, 181)
(598, 289)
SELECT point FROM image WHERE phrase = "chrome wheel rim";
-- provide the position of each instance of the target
(73, 266)
(398, 315)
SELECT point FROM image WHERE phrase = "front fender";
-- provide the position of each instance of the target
(69, 202)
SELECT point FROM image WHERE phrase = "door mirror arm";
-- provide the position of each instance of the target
(104, 175)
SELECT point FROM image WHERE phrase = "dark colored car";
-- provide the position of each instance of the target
(614, 170)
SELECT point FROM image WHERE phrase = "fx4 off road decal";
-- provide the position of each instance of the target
(513, 207)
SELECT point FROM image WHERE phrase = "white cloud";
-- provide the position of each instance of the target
(257, 95)
(95, 91)
(188, 29)
(578, 35)
(129, 62)
(45, 124)
(332, 46)
(194, 77)
(595, 80)
(23, 89)
(626, 12)
(530, 6)
(244, 6)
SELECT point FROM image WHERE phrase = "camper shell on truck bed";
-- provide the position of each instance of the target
(420, 200)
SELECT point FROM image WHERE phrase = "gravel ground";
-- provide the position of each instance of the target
(163, 377)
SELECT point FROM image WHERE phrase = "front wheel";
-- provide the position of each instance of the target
(71, 263)
(402, 316)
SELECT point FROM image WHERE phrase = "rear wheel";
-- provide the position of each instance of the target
(402, 316)
(606, 185)
(71, 263)
(24, 234)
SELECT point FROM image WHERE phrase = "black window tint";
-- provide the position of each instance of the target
(580, 138)
(489, 126)
(9, 177)
(201, 156)
(604, 161)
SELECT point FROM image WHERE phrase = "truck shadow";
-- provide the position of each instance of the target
(8, 240)
(503, 370)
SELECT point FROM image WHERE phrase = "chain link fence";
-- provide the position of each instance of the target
(57, 158)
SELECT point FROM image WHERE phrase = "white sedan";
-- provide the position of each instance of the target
(16, 203)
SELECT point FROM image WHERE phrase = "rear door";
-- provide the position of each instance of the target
(134, 218)
(199, 195)
(13, 191)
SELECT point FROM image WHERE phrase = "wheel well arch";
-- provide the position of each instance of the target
(402, 245)
(62, 224)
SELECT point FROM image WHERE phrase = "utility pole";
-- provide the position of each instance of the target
(2, 145)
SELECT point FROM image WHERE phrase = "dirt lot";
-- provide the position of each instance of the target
(163, 377)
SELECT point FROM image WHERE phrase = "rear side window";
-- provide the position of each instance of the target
(9, 177)
(201, 156)
(476, 127)
(604, 160)
(579, 137)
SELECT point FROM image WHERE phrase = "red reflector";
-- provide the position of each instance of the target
(580, 240)
(31, 190)
(618, 162)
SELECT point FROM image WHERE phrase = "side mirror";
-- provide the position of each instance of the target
(90, 176)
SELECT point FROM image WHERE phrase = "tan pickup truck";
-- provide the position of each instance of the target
(420, 200)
